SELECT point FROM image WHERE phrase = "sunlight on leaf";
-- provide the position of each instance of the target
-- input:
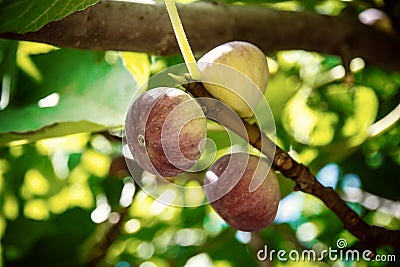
(76, 195)
(79, 175)
(59, 203)
(307, 155)
(36, 209)
(117, 248)
(96, 163)
(141, 204)
(3, 225)
(306, 125)
(273, 65)
(34, 184)
(24, 61)
(222, 263)
(366, 109)
(287, 5)
(80, 195)
(10, 207)
(68, 144)
(330, 7)
(139, 65)
(299, 119)
(309, 64)
(16, 151)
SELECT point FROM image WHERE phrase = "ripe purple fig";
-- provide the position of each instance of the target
(164, 131)
(243, 207)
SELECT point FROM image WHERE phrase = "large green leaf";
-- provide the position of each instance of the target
(26, 15)
(94, 94)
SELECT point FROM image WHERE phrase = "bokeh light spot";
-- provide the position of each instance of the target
(307, 232)
(132, 226)
(36, 209)
(145, 250)
(202, 259)
(189, 237)
(147, 264)
(243, 237)
(35, 183)
(96, 163)
(329, 175)
(102, 211)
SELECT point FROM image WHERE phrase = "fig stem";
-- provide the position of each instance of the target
(182, 40)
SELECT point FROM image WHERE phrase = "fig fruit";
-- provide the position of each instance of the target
(164, 131)
(240, 92)
(242, 207)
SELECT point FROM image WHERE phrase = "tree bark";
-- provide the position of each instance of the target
(144, 27)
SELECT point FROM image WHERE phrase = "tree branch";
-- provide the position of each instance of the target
(370, 237)
(119, 25)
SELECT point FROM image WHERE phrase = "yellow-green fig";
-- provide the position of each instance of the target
(237, 74)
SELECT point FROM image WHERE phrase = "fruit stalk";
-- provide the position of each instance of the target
(182, 40)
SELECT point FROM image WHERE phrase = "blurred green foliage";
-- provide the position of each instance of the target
(63, 180)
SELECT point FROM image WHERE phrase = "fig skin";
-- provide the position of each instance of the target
(232, 89)
(164, 131)
(240, 208)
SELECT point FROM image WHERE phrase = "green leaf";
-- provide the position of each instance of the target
(93, 94)
(22, 16)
